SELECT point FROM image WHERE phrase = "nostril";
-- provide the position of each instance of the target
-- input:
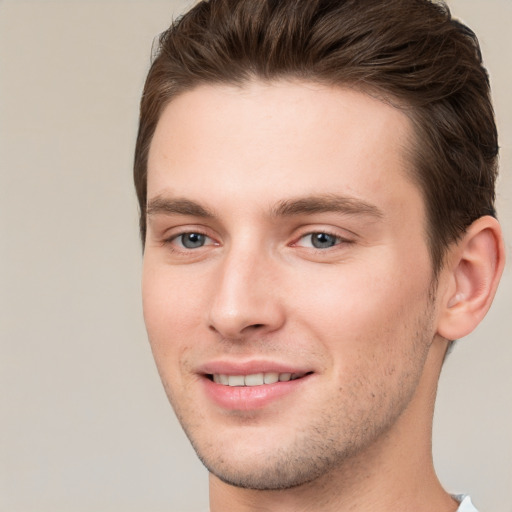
(238, 335)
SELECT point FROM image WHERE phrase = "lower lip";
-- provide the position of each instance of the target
(246, 398)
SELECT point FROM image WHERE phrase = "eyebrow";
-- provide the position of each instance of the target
(326, 203)
(308, 205)
(176, 206)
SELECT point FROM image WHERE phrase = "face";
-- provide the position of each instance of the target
(286, 276)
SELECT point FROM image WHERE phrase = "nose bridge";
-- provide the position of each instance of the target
(244, 299)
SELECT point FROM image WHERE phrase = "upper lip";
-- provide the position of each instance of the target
(224, 367)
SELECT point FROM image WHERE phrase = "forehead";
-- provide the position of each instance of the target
(263, 141)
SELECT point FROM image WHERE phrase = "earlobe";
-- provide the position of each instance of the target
(474, 267)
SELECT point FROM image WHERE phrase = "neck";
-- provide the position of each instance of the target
(395, 473)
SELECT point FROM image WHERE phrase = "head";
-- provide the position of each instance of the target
(410, 53)
(306, 171)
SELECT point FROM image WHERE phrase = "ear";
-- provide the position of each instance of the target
(472, 270)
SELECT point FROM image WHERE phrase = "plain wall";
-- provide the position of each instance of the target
(84, 423)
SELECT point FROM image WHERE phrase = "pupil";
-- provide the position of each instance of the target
(322, 240)
(192, 240)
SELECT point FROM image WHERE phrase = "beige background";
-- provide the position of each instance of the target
(84, 423)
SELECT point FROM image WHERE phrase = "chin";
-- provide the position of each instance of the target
(273, 475)
(296, 462)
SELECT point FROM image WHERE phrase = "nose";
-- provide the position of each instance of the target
(245, 300)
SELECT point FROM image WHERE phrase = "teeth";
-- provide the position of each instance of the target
(271, 378)
(236, 380)
(255, 379)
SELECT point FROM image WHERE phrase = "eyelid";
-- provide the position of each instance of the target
(177, 232)
(341, 238)
(184, 248)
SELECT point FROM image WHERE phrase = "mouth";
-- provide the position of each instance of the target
(254, 379)
(253, 385)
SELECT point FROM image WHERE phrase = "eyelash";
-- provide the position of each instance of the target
(172, 240)
(338, 240)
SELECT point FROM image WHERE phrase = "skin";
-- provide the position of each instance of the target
(256, 170)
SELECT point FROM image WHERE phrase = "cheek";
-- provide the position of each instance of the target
(170, 324)
(171, 295)
(375, 329)
(170, 313)
(375, 306)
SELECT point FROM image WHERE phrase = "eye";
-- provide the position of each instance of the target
(319, 240)
(191, 240)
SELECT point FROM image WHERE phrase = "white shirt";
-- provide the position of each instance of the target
(465, 504)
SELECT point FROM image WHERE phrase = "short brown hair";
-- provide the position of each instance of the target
(409, 52)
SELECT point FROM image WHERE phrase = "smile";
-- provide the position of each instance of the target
(255, 379)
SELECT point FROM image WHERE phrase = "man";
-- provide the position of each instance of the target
(316, 184)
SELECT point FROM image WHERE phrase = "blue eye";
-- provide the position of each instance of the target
(323, 240)
(320, 240)
(192, 240)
